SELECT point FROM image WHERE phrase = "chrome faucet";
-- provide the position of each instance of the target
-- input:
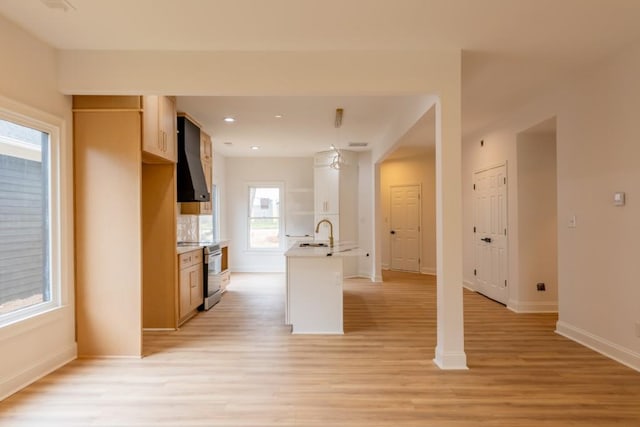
(330, 230)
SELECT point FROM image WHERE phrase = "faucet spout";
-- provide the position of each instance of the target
(330, 230)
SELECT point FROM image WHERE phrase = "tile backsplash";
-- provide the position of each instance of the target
(187, 228)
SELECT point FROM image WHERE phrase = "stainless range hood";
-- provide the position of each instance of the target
(192, 186)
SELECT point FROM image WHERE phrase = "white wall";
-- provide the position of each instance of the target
(366, 229)
(537, 214)
(220, 179)
(293, 172)
(597, 154)
(35, 347)
(415, 170)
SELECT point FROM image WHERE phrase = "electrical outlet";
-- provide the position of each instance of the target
(540, 286)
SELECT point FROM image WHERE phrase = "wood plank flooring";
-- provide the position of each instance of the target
(237, 365)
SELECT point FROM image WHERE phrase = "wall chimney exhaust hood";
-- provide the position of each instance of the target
(192, 186)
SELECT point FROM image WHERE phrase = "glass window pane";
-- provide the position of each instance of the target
(24, 217)
(264, 202)
(264, 233)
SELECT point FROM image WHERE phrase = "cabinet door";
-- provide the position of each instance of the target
(195, 283)
(327, 192)
(152, 140)
(185, 292)
(159, 129)
(168, 127)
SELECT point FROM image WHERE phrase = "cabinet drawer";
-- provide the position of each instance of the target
(190, 258)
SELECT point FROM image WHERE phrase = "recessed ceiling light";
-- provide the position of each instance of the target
(255, 147)
(278, 116)
(229, 119)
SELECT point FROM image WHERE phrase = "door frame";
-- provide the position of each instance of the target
(391, 187)
(507, 237)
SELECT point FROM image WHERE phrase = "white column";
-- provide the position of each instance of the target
(449, 352)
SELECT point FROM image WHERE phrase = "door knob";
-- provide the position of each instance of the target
(486, 239)
(393, 231)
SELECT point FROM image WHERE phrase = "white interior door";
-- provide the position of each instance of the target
(490, 233)
(405, 228)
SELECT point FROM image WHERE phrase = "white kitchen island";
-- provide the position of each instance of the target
(314, 287)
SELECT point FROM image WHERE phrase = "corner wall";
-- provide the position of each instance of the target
(417, 170)
(597, 153)
(39, 345)
(293, 172)
(537, 220)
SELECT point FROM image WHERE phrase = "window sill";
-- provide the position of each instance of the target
(34, 321)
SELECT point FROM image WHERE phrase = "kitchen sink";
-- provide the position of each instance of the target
(313, 245)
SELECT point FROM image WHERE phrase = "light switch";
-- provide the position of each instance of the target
(573, 222)
(618, 198)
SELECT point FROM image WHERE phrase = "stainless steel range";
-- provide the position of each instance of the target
(211, 280)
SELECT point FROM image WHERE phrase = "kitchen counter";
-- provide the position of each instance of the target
(340, 249)
(184, 248)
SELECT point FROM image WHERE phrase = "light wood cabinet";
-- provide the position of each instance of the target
(206, 158)
(141, 292)
(190, 291)
(159, 144)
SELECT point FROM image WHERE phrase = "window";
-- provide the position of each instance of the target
(27, 279)
(265, 222)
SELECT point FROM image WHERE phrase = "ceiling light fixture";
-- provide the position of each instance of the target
(63, 5)
(255, 147)
(278, 116)
(229, 119)
(338, 160)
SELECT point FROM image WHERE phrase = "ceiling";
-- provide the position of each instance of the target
(512, 50)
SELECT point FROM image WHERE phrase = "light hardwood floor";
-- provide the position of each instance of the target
(237, 365)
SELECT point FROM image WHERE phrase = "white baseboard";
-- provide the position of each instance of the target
(385, 266)
(605, 347)
(43, 367)
(469, 285)
(450, 360)
(532, 306)
(428, 270)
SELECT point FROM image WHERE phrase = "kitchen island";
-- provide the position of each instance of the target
(314, 286)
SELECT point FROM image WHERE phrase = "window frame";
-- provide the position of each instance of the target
(268, 184)
(54, 127)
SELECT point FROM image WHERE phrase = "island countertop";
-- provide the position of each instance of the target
(340, 249)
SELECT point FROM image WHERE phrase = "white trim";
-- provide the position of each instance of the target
(54, 127)
(384, 266)
(32, 374)
(377, 279)
(431, 271)
(605, 347)
(532, 306)
(469, 285)
(159, 329)
(110, 357)
(280, 185)
(451, 360)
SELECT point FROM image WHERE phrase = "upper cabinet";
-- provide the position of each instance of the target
(159, 129)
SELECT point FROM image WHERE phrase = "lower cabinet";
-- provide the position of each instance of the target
(190, 284)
